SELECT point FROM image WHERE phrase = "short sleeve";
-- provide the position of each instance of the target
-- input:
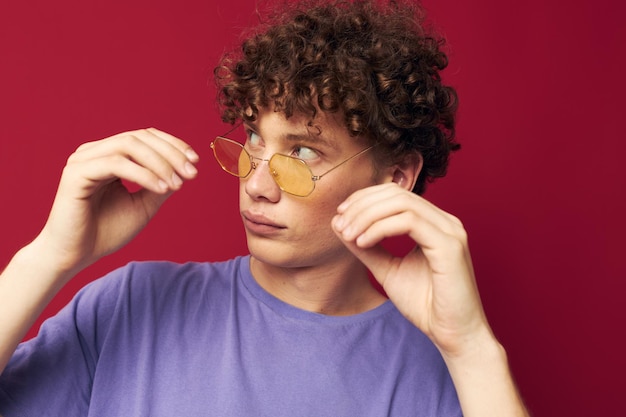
(52, 373)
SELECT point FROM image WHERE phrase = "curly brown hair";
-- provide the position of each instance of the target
(372, 61)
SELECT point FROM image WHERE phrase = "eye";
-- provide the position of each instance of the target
(254, 142)
(304, 153)
(253, 138)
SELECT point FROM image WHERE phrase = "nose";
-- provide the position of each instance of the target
(260, 184)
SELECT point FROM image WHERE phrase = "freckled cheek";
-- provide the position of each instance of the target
(319, 210)
(335, 194)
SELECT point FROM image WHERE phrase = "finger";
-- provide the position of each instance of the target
(132, 150)
(439, 248)
(364, 193)
(100, 171)
(396, 225)
(175, 151)
(376, 259)
(145, 149)
(368, 206)
(365, 207)
(382, 212)
(381, 263)
(181, 145)
(151, 201)
(177, 143)
(161, 141)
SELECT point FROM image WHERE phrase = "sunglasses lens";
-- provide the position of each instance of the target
(292, 175)
(232, 157)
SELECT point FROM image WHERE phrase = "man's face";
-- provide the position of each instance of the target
(289, 231)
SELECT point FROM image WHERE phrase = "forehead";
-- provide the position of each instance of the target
(326, 129)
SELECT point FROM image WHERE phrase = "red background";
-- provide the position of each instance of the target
(539, 184)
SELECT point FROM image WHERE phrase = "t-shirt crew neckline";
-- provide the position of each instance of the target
(287, 310)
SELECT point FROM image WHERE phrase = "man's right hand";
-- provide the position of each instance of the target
(93, 213)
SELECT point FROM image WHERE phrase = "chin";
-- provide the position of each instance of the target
(287, 254)
(278, 254)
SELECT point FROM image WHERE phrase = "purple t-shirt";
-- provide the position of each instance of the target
(159, 339)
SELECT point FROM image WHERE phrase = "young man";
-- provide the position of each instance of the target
(339, 115)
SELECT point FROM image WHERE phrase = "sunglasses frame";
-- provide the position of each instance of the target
(253, 164)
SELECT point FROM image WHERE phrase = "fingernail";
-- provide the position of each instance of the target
(338, 222)
(192, 155)
(162, 185)
(190, 169)
(176, 181)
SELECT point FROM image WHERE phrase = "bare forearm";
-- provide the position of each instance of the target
(27, 285)
(484, 382)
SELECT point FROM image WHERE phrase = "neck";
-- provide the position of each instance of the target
(336, 290)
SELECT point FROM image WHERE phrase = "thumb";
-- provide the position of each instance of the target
(151, 201)
(376, 258)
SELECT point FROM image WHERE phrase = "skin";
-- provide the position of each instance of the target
(349, 214)
(301, 261)
(311, 252)
(92, 215)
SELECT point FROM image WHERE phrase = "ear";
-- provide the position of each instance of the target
(406, 172)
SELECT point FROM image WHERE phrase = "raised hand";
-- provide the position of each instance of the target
(93, 213)
(433, 285)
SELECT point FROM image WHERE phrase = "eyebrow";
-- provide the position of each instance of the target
(310, 138)
(296, 137)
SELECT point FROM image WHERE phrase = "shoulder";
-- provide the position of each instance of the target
(416, 362)
(409, 342)
(163, 275)
(158, 285)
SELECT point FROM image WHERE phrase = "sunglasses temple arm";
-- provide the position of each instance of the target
(317, 177)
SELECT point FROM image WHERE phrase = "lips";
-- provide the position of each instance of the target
(260, 224)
